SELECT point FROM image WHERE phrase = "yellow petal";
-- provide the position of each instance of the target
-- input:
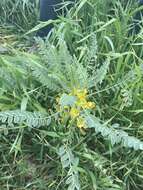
(74, 112)
(81, 123)
(90, 105)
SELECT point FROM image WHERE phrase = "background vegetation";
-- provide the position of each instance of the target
(92, 47)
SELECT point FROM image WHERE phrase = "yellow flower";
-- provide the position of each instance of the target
(58, 100)
(81, 94)
(90, 105)
(85, 105)
(74, 112)
(81, 123)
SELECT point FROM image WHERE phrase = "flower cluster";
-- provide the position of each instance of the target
(81, 103)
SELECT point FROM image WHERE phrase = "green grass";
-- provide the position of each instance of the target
(21, 14)
(92, 43)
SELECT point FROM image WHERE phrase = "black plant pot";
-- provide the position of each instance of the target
(47, 12)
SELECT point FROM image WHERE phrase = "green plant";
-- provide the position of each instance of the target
(54, 138)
